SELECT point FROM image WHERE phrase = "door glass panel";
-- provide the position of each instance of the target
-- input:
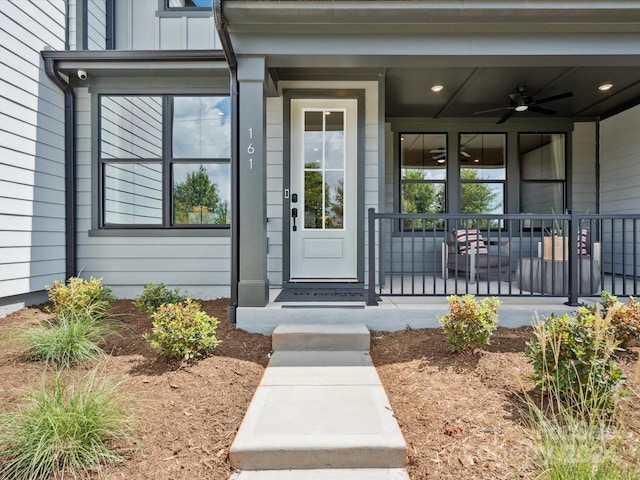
(324, 169)
(334, 140)
(313, 139)
(334, 205)
(313, 187)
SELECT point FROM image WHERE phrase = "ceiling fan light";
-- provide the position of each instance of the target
(440, 161)
(437, 88)
(605, 86)
(522, 108)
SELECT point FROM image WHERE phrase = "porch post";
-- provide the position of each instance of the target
(253, 286)
(573, 261)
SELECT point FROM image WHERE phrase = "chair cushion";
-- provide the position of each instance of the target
(470, 238)
(583, 235)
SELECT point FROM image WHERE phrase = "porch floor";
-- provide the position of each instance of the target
(398, 309)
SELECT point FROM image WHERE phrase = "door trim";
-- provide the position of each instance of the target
(289, 95)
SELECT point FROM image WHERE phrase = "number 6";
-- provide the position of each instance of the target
(250, 149)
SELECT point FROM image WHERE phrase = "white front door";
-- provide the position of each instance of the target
(324, 182)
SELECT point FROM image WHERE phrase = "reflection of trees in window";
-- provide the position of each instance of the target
(477, 197)
(335, 205)
(420, 196)
(312, 199)
(318, 213)
(196, 200)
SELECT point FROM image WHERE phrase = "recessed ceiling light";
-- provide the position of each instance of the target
(440, 160)
(437, 88)
(605, 86)
(477, 160)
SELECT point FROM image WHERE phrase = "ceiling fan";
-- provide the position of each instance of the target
(519, 102)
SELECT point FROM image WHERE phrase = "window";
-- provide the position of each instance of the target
(188, 4)
(542, 172)
(164, 161)
(482, 173)
(423, 175)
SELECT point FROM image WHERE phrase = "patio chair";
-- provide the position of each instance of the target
(465, 251)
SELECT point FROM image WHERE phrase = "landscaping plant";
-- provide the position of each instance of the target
(183, 331)
(573, 361)
(58, 432)
(81, 296)
(71, 339)
(625, 318)
(469, 323)
(156, 294)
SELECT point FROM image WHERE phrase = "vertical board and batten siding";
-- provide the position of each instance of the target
(140, 26)
(275, 163)
(32, 213)
(96, 24)
(198, 265)
(619, 180)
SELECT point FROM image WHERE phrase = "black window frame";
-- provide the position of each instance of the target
(167, 8)
(166, 161)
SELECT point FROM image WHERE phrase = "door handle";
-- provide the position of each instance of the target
(294, 215)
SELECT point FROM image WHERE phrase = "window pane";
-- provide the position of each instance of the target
(542, 156)
(334, 140)
(189, 3)
(313, 152)
(542, 197)
(424, 156)
(334, 205)
(201, 127)
(477, 197)
(130, 127)
(201, 194)
(482, 156)
(313, 208)
(133, 193)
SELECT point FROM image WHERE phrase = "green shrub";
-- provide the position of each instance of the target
(182, 330)
(156, 294)
(59, 432)
(572, 358)
(81, 296)
(469, 323)
(72, 338)
(625, 318)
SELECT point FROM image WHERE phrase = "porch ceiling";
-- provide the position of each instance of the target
(479, 51)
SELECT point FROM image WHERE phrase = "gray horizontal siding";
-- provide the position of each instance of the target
(96, 24)
(31, 149)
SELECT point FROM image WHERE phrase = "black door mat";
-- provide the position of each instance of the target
(322, 295)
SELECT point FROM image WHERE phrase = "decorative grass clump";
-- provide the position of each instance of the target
(70, 339)
(60, 432)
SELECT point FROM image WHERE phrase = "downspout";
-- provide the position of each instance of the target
(69, 165)
(223, 33)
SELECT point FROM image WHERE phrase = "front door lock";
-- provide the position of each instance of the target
(294, 215)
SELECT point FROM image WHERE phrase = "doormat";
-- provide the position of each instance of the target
(322, 295)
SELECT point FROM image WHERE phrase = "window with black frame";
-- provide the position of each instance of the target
(423, 176)
(542, 172)
(483, 175)
(188, 4)
(165, 161)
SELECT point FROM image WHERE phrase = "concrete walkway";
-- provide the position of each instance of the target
(319, 412)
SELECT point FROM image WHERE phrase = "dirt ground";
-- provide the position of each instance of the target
(459, 413)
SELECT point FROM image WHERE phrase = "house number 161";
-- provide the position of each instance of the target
(250, 149)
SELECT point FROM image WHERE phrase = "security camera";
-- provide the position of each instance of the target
(82, 75)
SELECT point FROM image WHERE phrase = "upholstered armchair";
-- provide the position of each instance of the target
(465, 251)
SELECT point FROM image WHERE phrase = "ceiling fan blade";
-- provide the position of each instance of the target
(437, 150)
(464, 154)
(493, 110)
(506, 116)
(439, 156)
(546, 111)
(552, 98)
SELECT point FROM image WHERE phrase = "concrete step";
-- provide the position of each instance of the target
(328, 337)
(319, 410)
(324, 474)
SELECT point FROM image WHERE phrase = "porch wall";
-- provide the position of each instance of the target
(619, 180)
(275, 163)
(32, 182)
(198, 265)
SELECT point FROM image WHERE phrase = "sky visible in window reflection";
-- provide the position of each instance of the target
(201, 127)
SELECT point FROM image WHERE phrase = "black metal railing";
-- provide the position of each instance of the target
(569, 255)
